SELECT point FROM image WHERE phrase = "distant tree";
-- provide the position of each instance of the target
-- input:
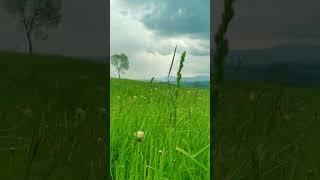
(120, 62)
(152, 79)
(36, 16)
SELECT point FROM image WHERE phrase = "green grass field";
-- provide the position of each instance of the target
(53, 126)
(53, 120)
(267, 131)
(170, 149)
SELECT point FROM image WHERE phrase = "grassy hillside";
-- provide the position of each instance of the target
(267, 131)
(53, 121)
(170, 149)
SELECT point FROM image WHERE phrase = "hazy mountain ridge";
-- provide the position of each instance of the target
(202, 81)
(291, 63)
(289, 53)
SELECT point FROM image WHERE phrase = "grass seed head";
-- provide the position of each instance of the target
(139, 135)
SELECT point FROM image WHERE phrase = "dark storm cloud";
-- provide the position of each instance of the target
(265, 23)
(174, 18)
(82, 32)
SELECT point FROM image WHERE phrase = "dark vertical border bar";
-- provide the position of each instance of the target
(211, 90)
(108, 90)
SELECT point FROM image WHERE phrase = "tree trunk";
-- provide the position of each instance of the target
(119, 73)
(28, 27)
(29, 43)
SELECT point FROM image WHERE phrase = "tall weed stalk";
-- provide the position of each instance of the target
(174, 99)
(216, 73)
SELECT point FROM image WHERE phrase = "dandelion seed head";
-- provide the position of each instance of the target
(12, 148)
(310, 172)
(252, 97)
(102, 110)
(99, 139)
(27, 112)
(286, 116)
(139, 135)
(79, 110)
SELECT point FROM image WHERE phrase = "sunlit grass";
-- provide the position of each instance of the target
(167, 150)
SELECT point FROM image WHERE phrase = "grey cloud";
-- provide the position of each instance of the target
(179, 17)
(270, 22)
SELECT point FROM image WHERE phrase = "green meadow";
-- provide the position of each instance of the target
(53, 120)
(175, 144)
(267, 131)
(53, 126)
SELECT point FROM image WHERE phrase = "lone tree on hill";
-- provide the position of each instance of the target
(120, 62)
(36, 16)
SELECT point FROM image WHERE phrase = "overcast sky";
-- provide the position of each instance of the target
(82, 32)
(148, 30)
(266, 23)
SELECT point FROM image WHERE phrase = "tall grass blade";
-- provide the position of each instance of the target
(201, 150)
(191, 157)
(172, 61)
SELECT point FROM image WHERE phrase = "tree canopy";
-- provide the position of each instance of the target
(36, 16)
(120, 62)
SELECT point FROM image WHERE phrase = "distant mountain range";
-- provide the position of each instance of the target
(289, 63)
(186, 79)
(194, 81)
(288, 53)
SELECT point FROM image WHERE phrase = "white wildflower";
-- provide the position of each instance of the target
(139, 135)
